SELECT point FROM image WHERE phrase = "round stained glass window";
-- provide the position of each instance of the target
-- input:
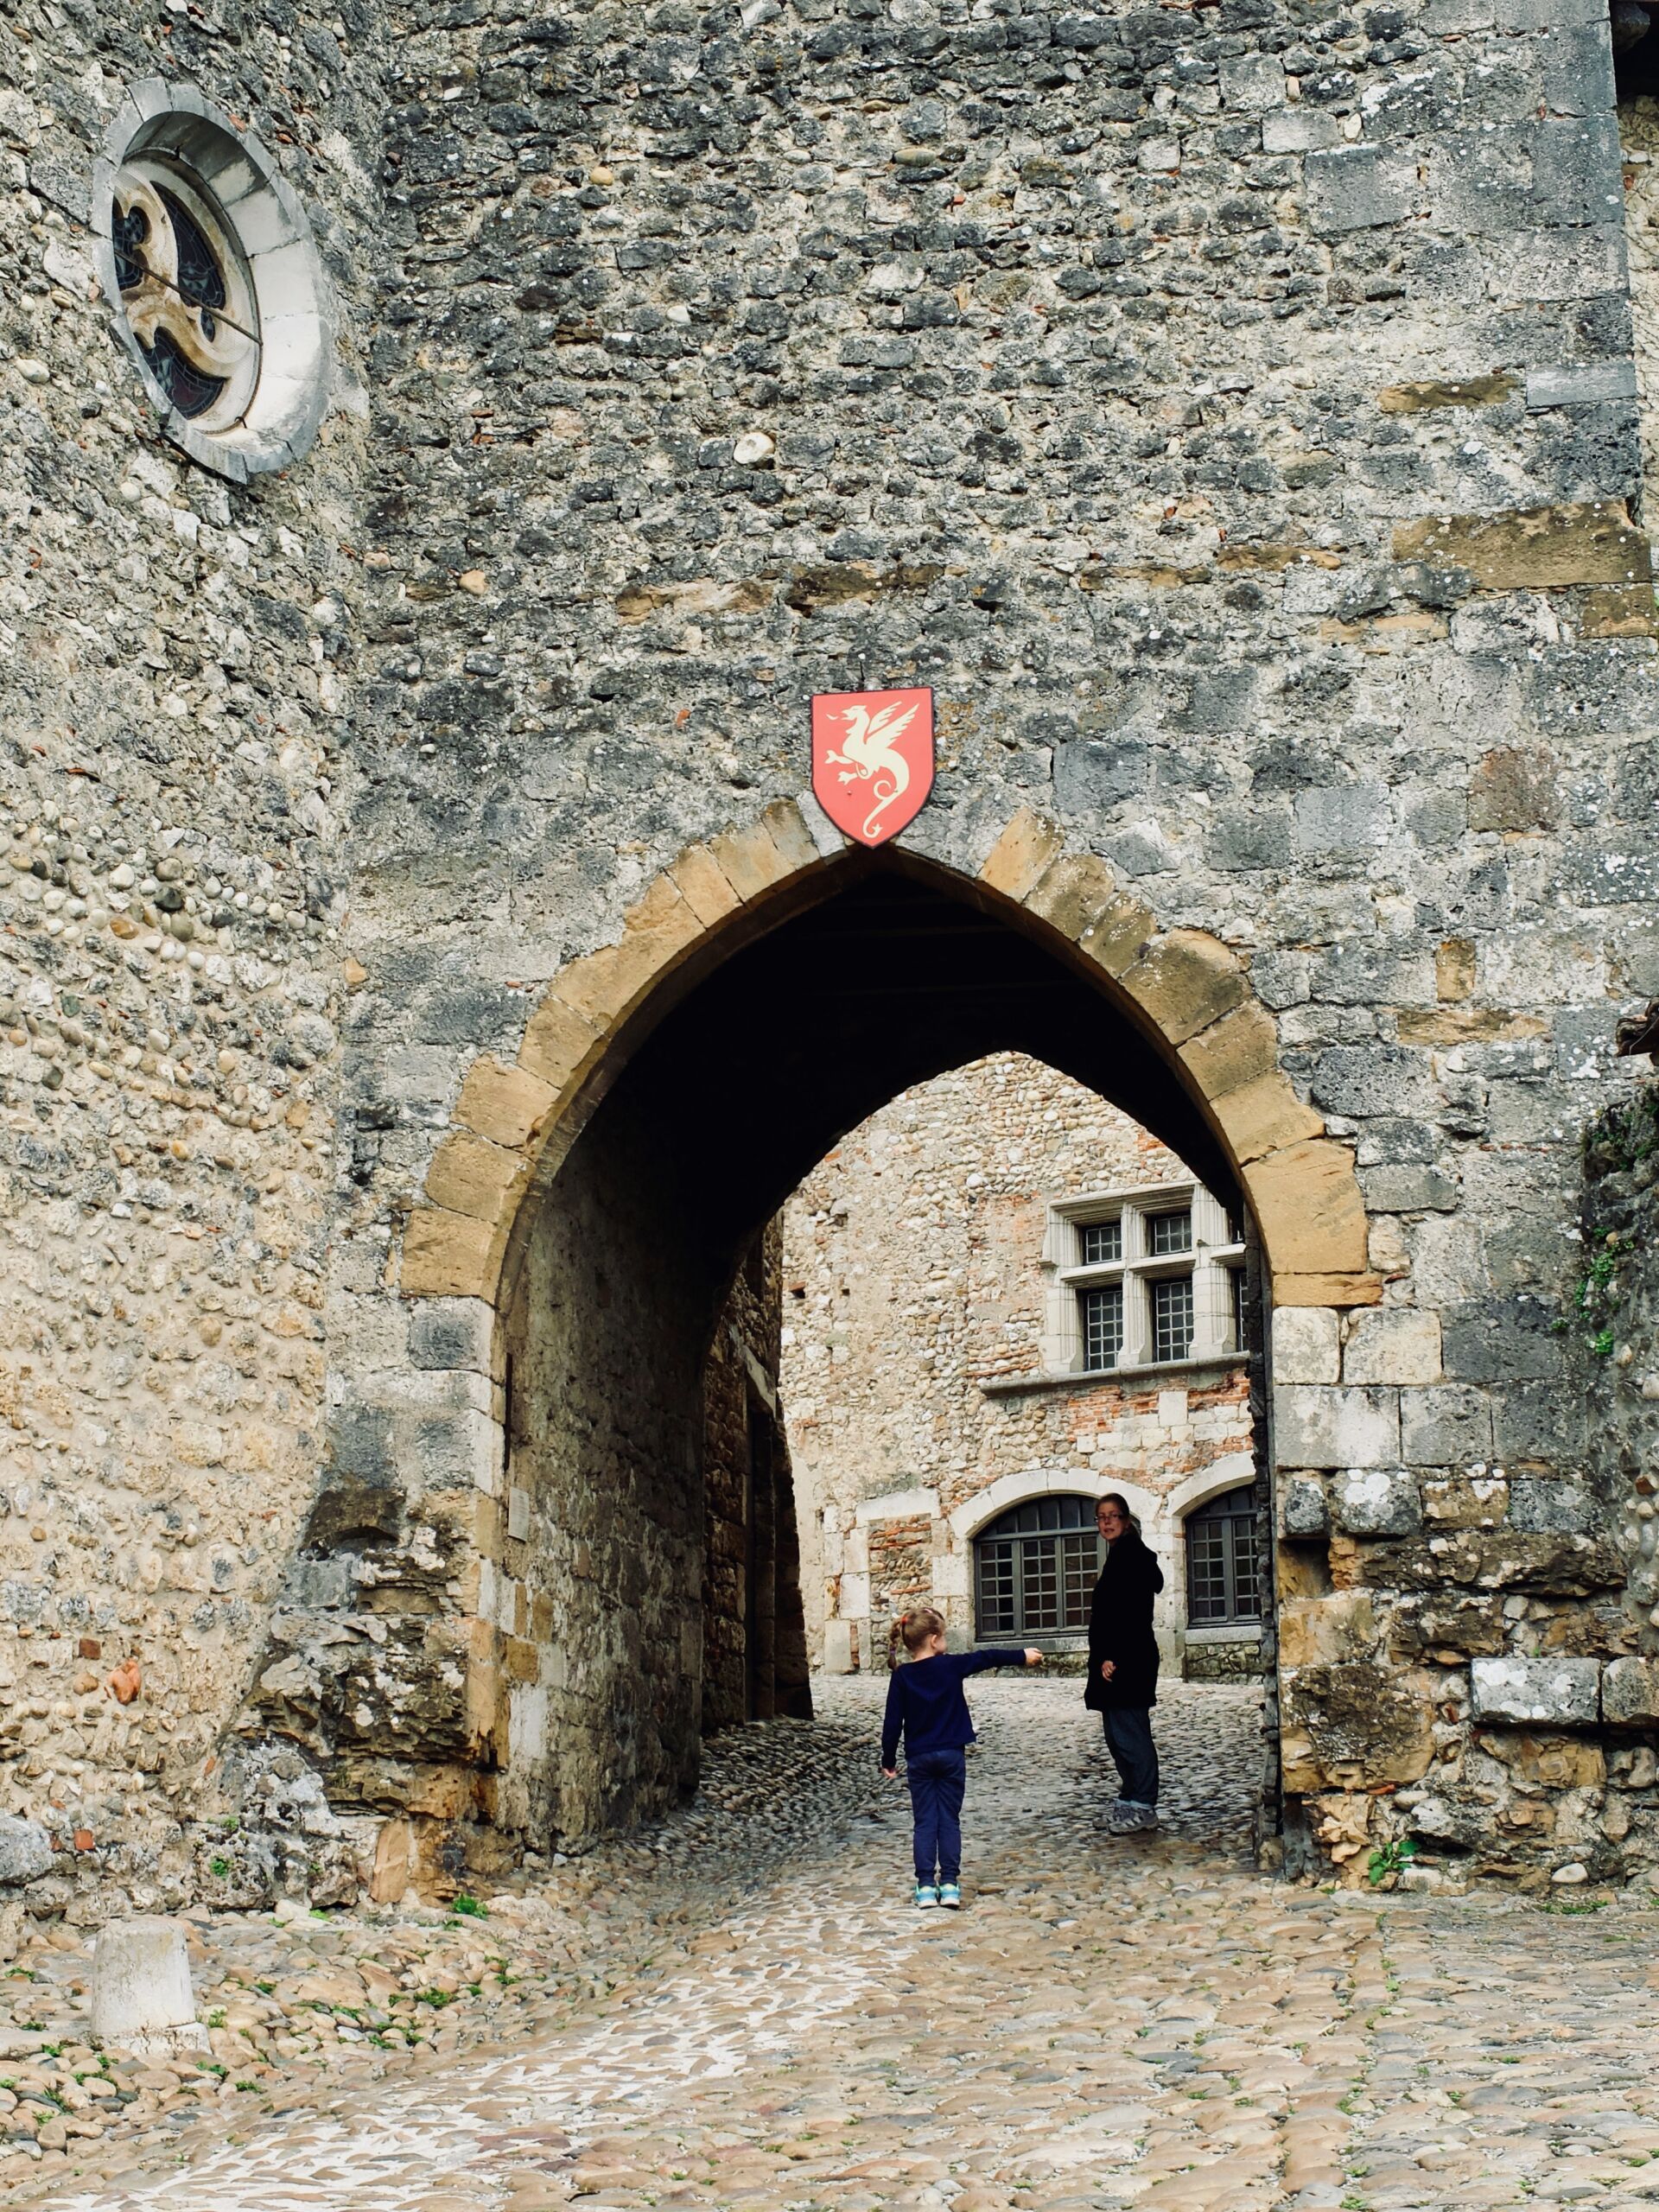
(209, 265)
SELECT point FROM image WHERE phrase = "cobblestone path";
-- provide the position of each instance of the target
(1144, 2023)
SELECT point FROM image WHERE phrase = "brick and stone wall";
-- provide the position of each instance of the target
(1230, 413)
(914, 1375)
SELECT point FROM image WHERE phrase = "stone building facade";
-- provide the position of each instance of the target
(424, 975)
(936, 1378)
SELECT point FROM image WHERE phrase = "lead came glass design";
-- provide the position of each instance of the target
(1102, 1314)
(1035, 1569)
(1223, 1560)
(1172, 1318)
(1102, 1242)
(185, 293)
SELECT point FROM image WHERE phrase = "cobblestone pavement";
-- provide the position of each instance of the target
(1146, 2022)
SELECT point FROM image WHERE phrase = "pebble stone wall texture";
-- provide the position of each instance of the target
(912, 1278)
(1231, 412)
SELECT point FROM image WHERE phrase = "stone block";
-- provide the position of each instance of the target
(1354, 1722)
(1304, 1510)
(703, 885)
(25, 1850)
(1630, 1693)
(1366, 1079)
(460, 1332)
(471, 1176)
(1253, 82)
(1562, 1691)
(751, 860)
(1306, 1345)
(1071, 892)
(1356, 188)
(1184, 980)
(1117, 934)
(1026, 848)
(1300, 130)
(1540, 1506)
(559, 1044)
(1239, 1049)
(1591, 541)
(602, 987)
(1444, 1428)
(1319, 1427)
(1394, 1344)
(1582, 383)
(838, 1647)
(786, 827)
(1264, 1117)
(448, 1256)
(1327, 1631)
(1375, 1502)
(141, 1998)
(1341, 818)
(1436, 392)
(1308, 1204)
(504, 1105)
(1341, 1291)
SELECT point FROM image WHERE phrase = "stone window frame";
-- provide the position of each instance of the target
(229, 171)
(1212, 1260)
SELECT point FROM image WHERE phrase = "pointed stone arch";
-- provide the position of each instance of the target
(449, 1716)
(1187, 992)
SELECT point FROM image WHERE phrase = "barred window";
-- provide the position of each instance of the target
(1035, 1569)
(1101, 1241)
(1170, 1232)
(1223, 1560)
(1172, 1318)
(1101, 1311)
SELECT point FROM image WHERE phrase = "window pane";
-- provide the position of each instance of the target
(1170, 1232)
(1172, 1318)
(1101, 1241)
(1039, 1585)
(1103, 1326)
(1238, 1288)
(1080, 1567)
(1206, 1571)
(1247, 1594)
(996, 1596)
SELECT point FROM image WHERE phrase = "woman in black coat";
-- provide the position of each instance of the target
(1123, 1663)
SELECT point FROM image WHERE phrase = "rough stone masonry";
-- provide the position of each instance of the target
(1230, 411)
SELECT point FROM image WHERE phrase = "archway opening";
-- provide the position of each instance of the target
(627, 1263)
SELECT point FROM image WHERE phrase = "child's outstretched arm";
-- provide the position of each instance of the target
(978, 1661)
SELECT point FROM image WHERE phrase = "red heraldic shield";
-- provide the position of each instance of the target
(872, 759)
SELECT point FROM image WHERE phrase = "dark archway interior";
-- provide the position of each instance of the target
(620, 1302)
(801, 1035)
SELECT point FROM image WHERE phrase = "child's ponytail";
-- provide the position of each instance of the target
(914, 1630)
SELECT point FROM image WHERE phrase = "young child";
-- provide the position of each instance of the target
(925, 1706)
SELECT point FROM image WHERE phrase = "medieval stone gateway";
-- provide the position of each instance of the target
(448, 451)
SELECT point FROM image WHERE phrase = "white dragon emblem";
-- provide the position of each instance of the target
(870, 754)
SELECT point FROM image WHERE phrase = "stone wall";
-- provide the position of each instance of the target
(177, 656)
(916, 1292)
(1229, 413)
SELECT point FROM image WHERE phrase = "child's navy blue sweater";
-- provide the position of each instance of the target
(925, 1704)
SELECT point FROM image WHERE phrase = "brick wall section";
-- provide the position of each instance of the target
(913, 1278)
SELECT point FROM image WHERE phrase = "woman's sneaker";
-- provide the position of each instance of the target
(1133, 1820)
(951, 1896)
(926, 1894)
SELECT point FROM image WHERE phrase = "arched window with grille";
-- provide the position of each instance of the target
(1035, 1569)
(1223, 1560)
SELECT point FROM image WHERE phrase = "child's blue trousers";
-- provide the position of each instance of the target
(938, 1781)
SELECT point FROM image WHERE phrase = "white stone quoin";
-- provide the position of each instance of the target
(142, 1997)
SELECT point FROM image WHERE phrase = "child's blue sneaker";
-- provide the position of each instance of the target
(951, 1896)
(926, 1894)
